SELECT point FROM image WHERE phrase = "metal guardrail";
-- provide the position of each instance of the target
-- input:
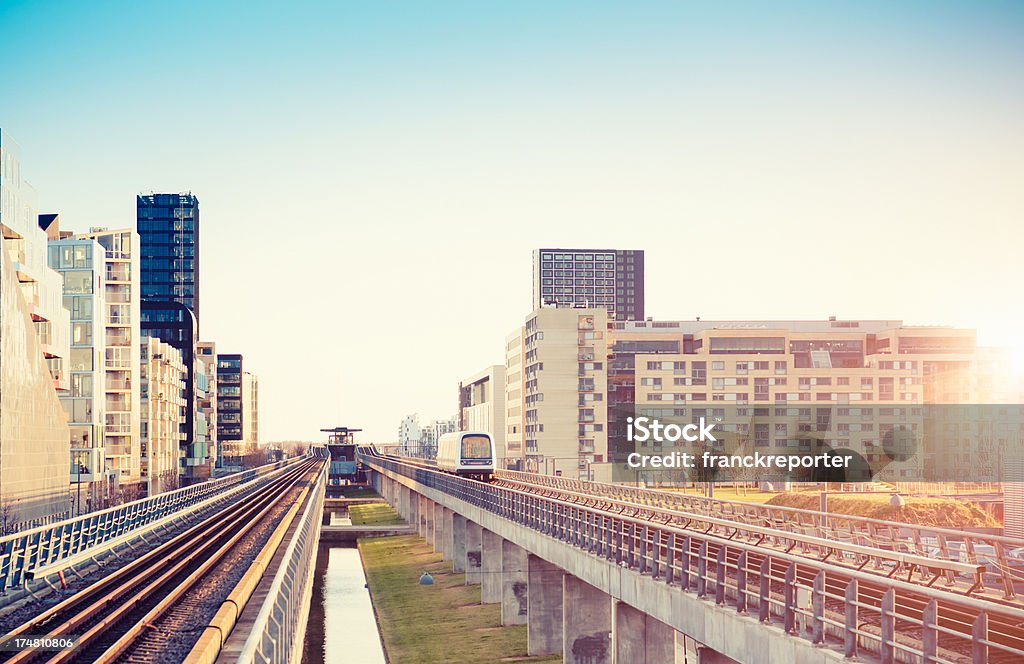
(817, 600)
(277, 634)
(44, 546)
(992, 551)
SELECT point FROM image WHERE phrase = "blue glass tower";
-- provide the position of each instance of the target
(168, 226)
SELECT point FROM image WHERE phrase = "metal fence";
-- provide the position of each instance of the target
(277, 634)
(1002, 557)
(827, 604)
(45, 545)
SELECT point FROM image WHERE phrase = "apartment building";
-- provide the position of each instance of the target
(82, 264)
(162, 387)
(237, 411)
(230, 411)
(564, 383)
(482, 406)
(775, 384)
(514, 400)
(34, 350)
(119, 329)
(409, 433)
(251, 412)
(611, 279)
(206, 395)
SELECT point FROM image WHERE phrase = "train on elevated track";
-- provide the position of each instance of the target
(467, 453)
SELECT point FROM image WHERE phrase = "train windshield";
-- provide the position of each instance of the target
(476, 447)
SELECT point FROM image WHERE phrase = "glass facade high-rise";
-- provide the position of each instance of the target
(168, 225)
(611, 279)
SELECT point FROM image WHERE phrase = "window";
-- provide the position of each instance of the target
(718, 366)
(78, 281)
(81, 334)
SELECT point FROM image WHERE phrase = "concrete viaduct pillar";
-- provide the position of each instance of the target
(459, 542)
(544, 607)
(421, 515)
(474, 553)
(438, 527)
(490, 572)
(586, 623)
(514, 585)
(448, 536)
(642, 639)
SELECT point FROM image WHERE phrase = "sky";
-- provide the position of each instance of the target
(373, 176)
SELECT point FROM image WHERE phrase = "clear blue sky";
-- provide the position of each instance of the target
(373, 176)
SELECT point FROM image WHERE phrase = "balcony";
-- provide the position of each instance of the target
(115, 385)
(119, 338)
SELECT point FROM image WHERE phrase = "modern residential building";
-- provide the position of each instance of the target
(169, 227)
(563, 384)
(206, 394)
(175, 324)
(237, 411)
(610, 279)
(230, 411)
(34, 351)
(482, 406)
(119, 329)
(162, 388)
(838, 379)
(514, 400)
(409, 434)
(250, 412)
(82, 263)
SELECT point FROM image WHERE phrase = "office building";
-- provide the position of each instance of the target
(610, 279)
(161, 394)
(175, 324)
(34, 350)
(168, 225)
(118, 329)
(82, 264)
(482, 406)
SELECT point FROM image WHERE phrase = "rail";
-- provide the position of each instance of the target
(1002, 570)
(817, 600)
(44, 546)
(277, 633)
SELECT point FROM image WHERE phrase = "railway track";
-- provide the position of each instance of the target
(111, 615)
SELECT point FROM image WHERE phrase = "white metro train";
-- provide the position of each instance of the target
(466, 453)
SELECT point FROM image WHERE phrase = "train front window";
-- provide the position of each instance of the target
(476, 447)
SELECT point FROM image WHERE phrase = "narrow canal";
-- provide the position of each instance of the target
(342, 627)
